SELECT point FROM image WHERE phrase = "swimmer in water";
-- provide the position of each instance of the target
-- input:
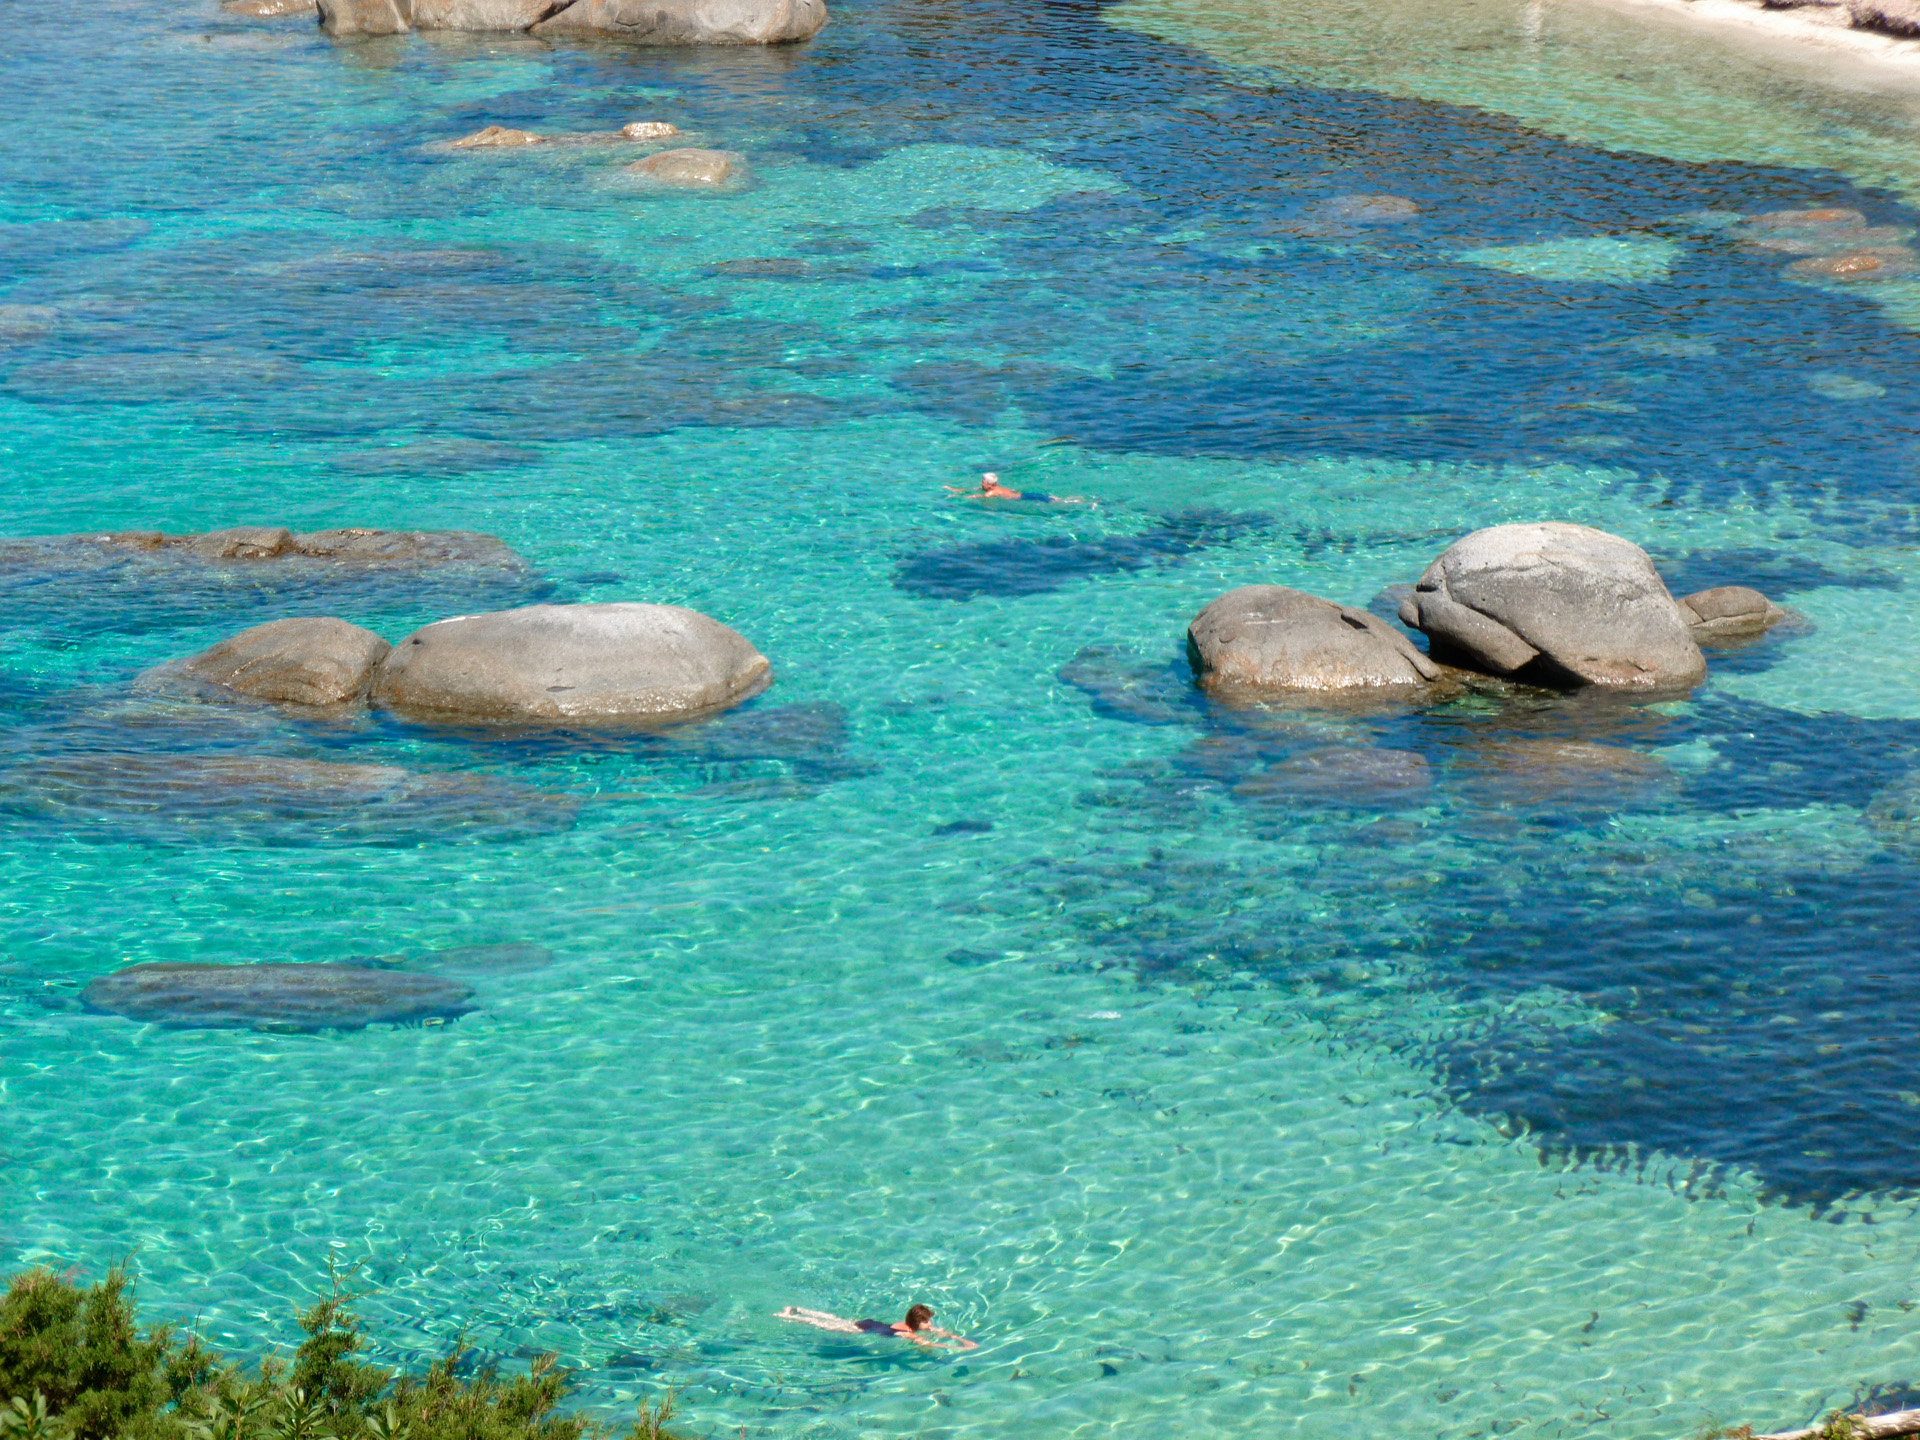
(917, 1327)
(991, 489)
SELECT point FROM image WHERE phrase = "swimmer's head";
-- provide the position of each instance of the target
(989, 479)
(918, 1317)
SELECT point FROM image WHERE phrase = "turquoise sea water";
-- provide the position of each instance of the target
(1536, 1068)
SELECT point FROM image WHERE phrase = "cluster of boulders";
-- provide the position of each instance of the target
(1885, 17)
(1549, 604)
(1837, 243)
(609, 664)
(641, 22)
(685, 166)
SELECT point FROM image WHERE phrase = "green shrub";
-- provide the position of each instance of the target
(74, 1365)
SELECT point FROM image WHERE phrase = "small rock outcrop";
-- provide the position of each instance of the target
(1270, 638)
(494, 137)
(648, 130)
(685, 167)
(275, 997)
(614, 664)
(1555, 603)
(690, 22)
(1880, 262)
(312, 661)
(1729, 612)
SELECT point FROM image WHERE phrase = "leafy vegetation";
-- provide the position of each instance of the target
(74, 1365)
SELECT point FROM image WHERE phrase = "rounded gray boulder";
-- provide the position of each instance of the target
(1563, 603)
(1729, 612)
(314, 661)
(1269, 638)
(689, 22)
(615, 664)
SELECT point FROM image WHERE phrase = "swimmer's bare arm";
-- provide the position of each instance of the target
(960, 1341)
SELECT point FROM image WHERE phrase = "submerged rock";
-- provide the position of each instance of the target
(1557, 604)
(397, 548)
(1531, 770)
(274, 997)
(1263, 638)
(494, 137)
(312, 661)
(1340, 775)
(571, 664)
(1881, 262)
(1123, 688)
(690, 22)
(1370, 209)
(185, 799)
(1894, 814)
(685, 167)
(1728, 612)
(815, 730)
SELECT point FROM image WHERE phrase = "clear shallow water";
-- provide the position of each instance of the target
(1213, 1069)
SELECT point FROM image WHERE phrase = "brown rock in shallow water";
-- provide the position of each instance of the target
(1270, 638)
(648, 130)
(1878, 263)
(1728, 612)
(685, 167)
(1342, 775)
(494, 137)
(313, 661)
(290, 997)
(1538, 771)
(242, 542)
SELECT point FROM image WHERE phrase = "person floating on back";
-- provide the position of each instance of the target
(917, 1327)
(992, 489)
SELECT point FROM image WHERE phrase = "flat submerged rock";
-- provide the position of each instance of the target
(299, 997)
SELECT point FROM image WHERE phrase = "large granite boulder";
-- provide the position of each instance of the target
(481, 14)
(275, 997)
(1269, 638)
(615, 664)
(1729, 612)
(1561, 603)
(1888, 17)
(690, 22)
(366, 17)
(316, 660)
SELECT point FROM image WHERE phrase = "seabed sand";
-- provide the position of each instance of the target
(1692, 80)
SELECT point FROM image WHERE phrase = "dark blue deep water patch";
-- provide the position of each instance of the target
(1011, 568)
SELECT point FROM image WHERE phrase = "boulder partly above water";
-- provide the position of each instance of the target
(316, 660)
(689, 22)
(275, 997)
(615, 664)
(1729, 612)
(1265, 638)
(1555, 603)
